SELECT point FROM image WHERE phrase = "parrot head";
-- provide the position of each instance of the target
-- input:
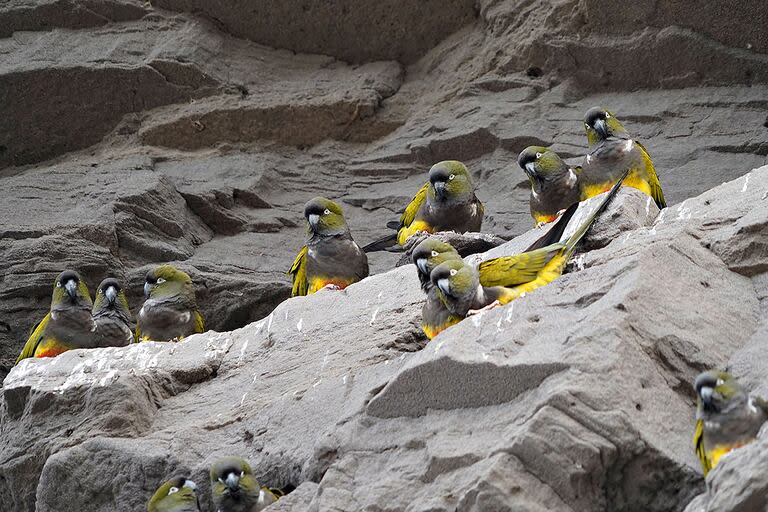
(455, 280)
(324, 217)
(70, 288)
(179, 494)
(430, 253)
(448, 181)
(110, 295)
(167, 281)
(541, 164)
(715, 390)
(601, 124)
(232, 478)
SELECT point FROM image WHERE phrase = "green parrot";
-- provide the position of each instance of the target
(114, 322)
(330, 258)
(68, 325)
(235, 489)
(554, 185)
(446, 202)
(465, 290)
(170, 310)
(179, 494)
(726, 417)
(611, 152)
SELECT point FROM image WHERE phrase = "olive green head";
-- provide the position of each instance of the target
(167, 281)
(70, 289)
(110, 296)
(179, 494)
(600, 124)
(430, 253)
(232, 479)
(324, 217)
(715, 390)
(449, 181)
(541, 164)
(455, 279)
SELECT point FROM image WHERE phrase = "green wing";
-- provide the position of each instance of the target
(299, 274)
(199, 322)
(698, 444)
(518, 269)
(34, 339)
(406, 219)
(653, 179)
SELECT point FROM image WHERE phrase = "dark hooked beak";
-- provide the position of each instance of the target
(71, 288)
(111, 294)
(421, 263)
(439, 189)
(444, 285)
(706, 396)
(601, 128)
(313, 220)
(147, 289)
(530, 169)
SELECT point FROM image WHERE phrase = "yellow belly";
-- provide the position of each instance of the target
(406, 232)
(719, 451)
(433, 330)
(546, 219)
(318, 283)
(634, 180)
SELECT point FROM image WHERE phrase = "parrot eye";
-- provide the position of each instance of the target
(454, 271)
(327, 212)
(58, 284)
(160, 280)
(607, 115)
(434, 254)
(173, 490)
(538, 155)
(221, 480)
(242, 473)
(451, 176)
(586, 125)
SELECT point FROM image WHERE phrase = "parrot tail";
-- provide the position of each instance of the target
(382, 244)
(555, 232)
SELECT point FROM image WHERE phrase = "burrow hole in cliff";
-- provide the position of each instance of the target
(766, 122)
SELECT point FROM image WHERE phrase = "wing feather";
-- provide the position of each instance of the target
(518, 269)
(34, 339)
(299, 274)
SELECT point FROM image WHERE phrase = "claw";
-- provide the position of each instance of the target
(489, 307)
(331, 286)
(541, 224)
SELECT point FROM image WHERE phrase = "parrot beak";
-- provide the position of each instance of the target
(530, 169)
(71, 288)
(147, 289)
(190, 484)
(444, 285)
(421, 263)
(601, 128)
(111, 294)
(232, 482)
(313, 220)
(440, 189)
(706, 396)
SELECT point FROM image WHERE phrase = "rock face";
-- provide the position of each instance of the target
(576, 397)
(193, 132)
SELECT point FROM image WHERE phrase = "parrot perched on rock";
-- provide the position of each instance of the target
(466, 290)
(554, 184)
(68, 325)
(235, 489)
(170, 310)
(114, 322)
(612, 152)
(447, 202)
(726, 417)
(179, 494)
(330, 258)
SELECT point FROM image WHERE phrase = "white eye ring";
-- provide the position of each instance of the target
(58, 284)
(242, 473)
(434, 254)
(327, 212)
(720, 382)
(173, 490)
(451, 176)
(160, 280)
(454, 271)
(607, 115)
(538, 155)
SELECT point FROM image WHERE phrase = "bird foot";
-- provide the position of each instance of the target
(331, 286)
(489, 307)
(540, 225)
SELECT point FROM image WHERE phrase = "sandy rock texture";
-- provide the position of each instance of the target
(189, 131)
(576, 397)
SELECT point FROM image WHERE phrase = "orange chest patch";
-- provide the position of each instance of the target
(318, 283)
(50, 349)
(433, 330)
(546, 219)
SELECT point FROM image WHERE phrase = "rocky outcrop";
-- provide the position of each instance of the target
(575, 397)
